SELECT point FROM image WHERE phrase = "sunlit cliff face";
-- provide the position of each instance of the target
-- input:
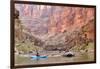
(54, 19)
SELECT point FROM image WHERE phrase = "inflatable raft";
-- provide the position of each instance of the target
(39, 57)
(69, 54)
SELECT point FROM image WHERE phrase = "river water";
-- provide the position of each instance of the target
(85, 57)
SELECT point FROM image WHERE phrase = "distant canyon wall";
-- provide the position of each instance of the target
(57, 19)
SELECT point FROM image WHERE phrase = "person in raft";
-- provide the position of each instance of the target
(37, 53)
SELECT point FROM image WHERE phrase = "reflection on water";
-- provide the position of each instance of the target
(19, 60)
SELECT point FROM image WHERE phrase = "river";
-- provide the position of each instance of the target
(85, 57)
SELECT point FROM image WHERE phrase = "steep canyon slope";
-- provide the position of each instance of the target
(56, 27)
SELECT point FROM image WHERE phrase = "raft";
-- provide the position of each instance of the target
(69, 54)
(39, 57)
